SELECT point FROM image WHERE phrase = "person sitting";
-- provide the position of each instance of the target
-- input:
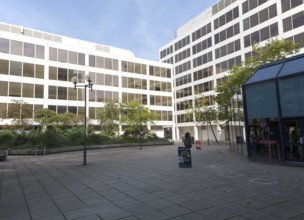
(187, 140)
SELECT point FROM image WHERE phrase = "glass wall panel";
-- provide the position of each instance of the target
(15, 89)
(261, 100)
(39, 91)
(62, 74)
(3, 110)
(4, 45)
(28, 70)
(16, 68)
(53, 73)
(99, 96)
(72, 94)
(16, 47)
(4, 67)
(62, 93)
(62, 56)
(61, 109)
(292, 96)
(53, 54)
(28, 90)
(29, 50)
(81, 59)
(72, 57)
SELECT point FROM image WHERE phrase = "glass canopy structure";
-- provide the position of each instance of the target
(274, 111)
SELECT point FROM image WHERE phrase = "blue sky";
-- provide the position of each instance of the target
(142, 26)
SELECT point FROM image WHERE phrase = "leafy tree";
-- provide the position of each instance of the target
(202, 113)
(272, 51)
(45, 117)
(21, 112)
(136, 118)
(108, 117)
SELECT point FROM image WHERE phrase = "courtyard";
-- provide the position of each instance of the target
(147, 184)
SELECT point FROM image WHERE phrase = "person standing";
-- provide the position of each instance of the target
(187, 140)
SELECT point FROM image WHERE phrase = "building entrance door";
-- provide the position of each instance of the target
(294, 139)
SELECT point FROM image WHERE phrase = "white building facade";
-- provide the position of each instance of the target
(36, 68)
(207, 46)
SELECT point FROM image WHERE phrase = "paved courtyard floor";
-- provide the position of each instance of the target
(147, 184)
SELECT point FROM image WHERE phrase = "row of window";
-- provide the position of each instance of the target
(183, 118)
(166, 51)
(181, 43)
(294, 21)
(21, 69)
(65, 75)
(25, 90)
(184, 105)
(132, 67)
(261, 35)
(21, 48)
(227, 33)
(182, 55)
(299, 39)
(252, 4)
(201, 32)
(228, 49)
(103, 62)
(203, 73)
(183, 80)
(102, 96)
(290, 4)
(202, 46)
(14, 110)
(104, 79)
(134, 83)
(65, 56)
(260, 17)
(221, 5)
(160, 71)
(226, 18)
(183, 67)
(160, 86)
(163, 115)
(160, 100)
(140, 98)
(227, 64)
(184, 92)
(203, 59)
(204, 87)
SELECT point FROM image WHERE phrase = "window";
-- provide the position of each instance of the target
(39, 91)
(16, 47)
(4, 45)
(15, 68)
(29, 50)
(28, 70)
(14, 89)
(28, 90)
(3, 67)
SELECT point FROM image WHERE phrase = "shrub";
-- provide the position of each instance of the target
(7, 139)
(74, 135)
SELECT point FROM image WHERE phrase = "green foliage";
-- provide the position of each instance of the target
(272, 51)
(108, 117)
(21, 112)
(136, 118)
(74, 135)
(7, 139)
(45, 117)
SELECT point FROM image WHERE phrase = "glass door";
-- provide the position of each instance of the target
(294, 137)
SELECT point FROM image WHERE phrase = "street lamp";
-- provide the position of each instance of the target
(140, 129)
(90, 86)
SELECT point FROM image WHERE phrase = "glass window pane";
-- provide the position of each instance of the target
(108, 63)
(4, 67)
(39, 91)
(92, 61)
(14, 89)
(246, 24)
(53, 54)
(62, 56)
(285, 5)
(72, 57)
(295, 3)
(28, 90)
(100, 62)
(53, 73)
(16, 68)
(39, 52)
(28, 70)
(274, 30)
(3, 110)
(245, 7)
(16, 47)
(298, 20)
(4, 88)
(52, 92)
(39, 71)
(273, 11)
(72, 94)
(29, 50)
(81, 59)
(115, 64)
(264, 33)
(62, 93)
(4, 45)
(254, 20)
(62, 74)
(287, 26)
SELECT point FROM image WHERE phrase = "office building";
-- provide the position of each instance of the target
(207, 46)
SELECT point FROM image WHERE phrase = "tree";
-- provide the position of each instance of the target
(21, 112)
(108, 117)
(136, 118)
(272, 51)
(45, 117)
(202, 113)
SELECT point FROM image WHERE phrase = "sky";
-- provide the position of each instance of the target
(141, 26)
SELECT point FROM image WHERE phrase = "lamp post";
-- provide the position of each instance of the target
(140, 129)
(85, 86)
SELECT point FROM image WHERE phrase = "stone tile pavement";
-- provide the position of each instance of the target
(147, 184)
